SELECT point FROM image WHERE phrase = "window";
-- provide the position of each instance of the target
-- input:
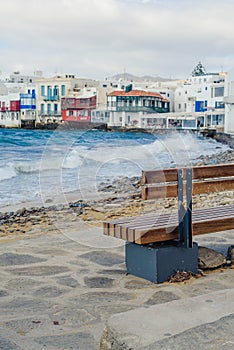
(42, 108)
(63, 90)
(42, 90)
(49, 108)
(219, 91)
(179, 106)
(49, 91)
(55, 108)
(219, 104)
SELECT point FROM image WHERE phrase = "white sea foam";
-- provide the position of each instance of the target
(69, 166)
(7, 172)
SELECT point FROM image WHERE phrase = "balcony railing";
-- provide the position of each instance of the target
(140, 109)
(52, 113)
(51, 98)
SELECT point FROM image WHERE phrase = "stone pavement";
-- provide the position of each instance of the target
(59, 293)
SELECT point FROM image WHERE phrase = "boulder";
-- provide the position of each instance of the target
(209, 258)
(231, 254)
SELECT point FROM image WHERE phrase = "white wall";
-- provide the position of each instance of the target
(229, 103)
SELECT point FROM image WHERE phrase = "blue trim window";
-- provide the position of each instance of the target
(42, 90)
(42, 108)
(49, 92)
(63, 90)
(48, 108)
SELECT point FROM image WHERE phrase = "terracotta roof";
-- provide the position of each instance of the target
(137, 93)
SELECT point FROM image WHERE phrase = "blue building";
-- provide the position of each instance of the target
(28, 108)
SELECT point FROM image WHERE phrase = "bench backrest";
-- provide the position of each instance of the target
(206, 179)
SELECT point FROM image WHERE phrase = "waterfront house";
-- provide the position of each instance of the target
(201, 97)
(10, 111)
(52, 90)
(135, 107)
(78, 109)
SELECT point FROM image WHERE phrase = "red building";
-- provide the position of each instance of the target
(78, 109)
(15, 106)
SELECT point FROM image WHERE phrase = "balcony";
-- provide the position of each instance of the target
(51, 98)
(51, 113)
(137, 109)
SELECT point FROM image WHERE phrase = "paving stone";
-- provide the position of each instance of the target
(10, 259)
(53, 252)
(74, 317)
(202, 287)
(39, 270)
(102, 297)
(161, 297)
(76, 341)
(49, 292)
(138, 284)
(113, 272)
(21, 284)
(7, 344)
(3, 293)
(98, 282)
(26, 305)
(68, 282)
(106, 311)
(23, 326)
(103, 258)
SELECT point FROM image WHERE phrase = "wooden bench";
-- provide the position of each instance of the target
(179, 225)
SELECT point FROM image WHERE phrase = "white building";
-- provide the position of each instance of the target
(229, 103)
(10, 111)
(202, 97)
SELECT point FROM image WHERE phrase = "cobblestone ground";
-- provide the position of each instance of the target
(56, 293)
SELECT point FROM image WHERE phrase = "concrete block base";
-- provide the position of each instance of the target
(157, 263)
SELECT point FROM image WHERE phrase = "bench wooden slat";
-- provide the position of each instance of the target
(213, 186)
(159, 176)
(161, 227)
(199, 172)
(200, 227)
(162, 216)
(173, 221)
(170, 191)
(212, 171)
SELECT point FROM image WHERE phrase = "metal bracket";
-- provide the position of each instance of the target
(185, 214)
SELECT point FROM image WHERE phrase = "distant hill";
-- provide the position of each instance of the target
(129, 77)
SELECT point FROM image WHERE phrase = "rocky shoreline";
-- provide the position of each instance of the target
(122, 198)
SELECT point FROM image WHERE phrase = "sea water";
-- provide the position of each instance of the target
(42, 164)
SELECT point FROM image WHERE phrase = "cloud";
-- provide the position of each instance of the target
(96, 38)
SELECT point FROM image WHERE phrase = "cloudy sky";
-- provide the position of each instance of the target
(100, 38)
